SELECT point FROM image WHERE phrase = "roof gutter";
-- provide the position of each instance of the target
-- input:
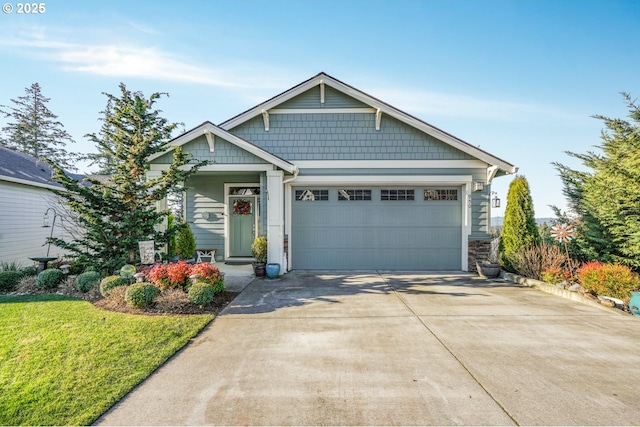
(296, 171)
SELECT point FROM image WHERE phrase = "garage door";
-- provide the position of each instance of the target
(376, 228)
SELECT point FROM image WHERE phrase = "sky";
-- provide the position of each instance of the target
(520, 79)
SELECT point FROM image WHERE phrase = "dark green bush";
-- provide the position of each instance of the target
(87, 280)
(29, 271)
(9, 280)
(202, 293)
(50, 278)
(140, 295)
(111, 282)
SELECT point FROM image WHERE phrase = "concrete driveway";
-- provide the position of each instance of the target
(397, 349)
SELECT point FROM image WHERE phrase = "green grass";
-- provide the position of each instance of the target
(65, 362)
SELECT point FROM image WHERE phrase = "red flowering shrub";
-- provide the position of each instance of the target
(159, 276)
(176, 275)
(614, 280)
(206, 271)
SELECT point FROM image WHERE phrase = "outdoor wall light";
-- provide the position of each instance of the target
(495, 202)
(478, 186)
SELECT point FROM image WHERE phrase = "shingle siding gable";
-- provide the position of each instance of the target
(332, 99)
(224, 152)
(344, 136)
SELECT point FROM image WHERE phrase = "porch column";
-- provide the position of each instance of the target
(275, 218)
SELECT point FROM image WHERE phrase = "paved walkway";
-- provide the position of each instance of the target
(397, 349)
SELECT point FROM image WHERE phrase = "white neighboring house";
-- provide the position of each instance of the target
(24, 199)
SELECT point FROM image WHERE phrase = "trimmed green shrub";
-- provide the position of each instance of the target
(519, 229)
(29, 271)
(9, 280)
(50, 278)
(202, 293)
(612, 280)
(111, 282)
(185, 242)
(140, 295)
(87, 280)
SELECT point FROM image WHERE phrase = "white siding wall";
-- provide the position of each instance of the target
(22, 208)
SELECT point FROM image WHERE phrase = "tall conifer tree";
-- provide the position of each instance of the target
(34, 130)
(119, 212)
(605, 199)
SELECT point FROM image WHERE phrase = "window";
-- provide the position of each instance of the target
(312, 195)
(397, 195)
(354, 195)
(441, 194)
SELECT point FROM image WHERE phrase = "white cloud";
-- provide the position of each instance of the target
(127, 60)
(428, 104)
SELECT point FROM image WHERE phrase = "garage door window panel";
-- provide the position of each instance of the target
(440, 195)
(354, 195)
(309, 195)
(397, 195)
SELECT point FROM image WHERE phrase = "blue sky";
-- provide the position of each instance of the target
(520, 79)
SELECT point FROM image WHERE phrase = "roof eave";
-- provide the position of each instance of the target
(217, 131)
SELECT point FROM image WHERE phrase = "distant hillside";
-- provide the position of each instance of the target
(496, 221)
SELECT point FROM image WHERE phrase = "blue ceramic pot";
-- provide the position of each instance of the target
(273, 270)
(634, 303)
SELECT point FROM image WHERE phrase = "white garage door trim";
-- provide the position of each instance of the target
(390, 180)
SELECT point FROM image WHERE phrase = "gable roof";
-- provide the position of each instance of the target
(25, 169)
(208, 127)
(382, 107)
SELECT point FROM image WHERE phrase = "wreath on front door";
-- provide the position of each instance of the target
(242, 207)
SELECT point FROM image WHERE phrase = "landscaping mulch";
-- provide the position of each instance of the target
(169, 302)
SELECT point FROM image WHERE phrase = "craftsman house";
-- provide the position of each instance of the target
(337, 179)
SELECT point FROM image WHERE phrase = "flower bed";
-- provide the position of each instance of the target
(176, 275)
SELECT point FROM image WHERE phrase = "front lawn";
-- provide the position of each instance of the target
(65, 362)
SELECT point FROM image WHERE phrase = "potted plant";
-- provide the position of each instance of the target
(488, 268)
(259, 252)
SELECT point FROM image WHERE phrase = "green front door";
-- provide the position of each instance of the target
(242, 220)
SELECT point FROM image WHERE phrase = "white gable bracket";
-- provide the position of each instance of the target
(378, 118)
(491, 173)
(211, 139)
(321, 91)
(265, 117)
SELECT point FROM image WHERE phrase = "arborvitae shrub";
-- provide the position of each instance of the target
(519, 229)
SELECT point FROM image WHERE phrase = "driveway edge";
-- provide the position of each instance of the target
(551, 289)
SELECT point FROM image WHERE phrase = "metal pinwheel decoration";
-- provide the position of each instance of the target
(562, 232)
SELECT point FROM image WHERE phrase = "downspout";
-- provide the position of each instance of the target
(296, 171)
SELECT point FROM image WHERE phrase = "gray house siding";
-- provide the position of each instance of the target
(350, 136)
(332, 99)
(224, 152)
(205, 193)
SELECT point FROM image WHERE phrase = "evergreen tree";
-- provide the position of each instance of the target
(34, 129)
(519, 228)
(606, 198)
(105, 158)
(119, 212)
